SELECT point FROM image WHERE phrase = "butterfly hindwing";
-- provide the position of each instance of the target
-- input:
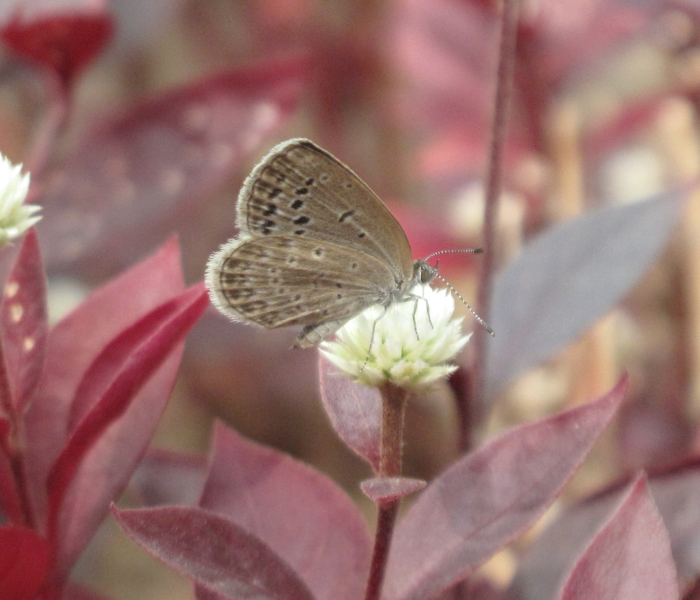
(287, 280)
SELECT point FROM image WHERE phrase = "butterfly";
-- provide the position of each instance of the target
(316, 247)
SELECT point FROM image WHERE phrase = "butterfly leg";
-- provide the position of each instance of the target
(371, 338)
(415, 311)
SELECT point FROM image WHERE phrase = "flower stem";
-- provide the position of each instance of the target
(393, 413)
(504, 80)
(390, 458)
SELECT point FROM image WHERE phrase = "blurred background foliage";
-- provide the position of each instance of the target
(165, 106)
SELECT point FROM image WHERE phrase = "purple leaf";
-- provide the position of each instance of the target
(489, 497)
(629, 559)
(569, 278)
(214, 552)
(299, 513)
(355, 412)
(140, 175)
(547, 560)
(386, 489)
(23, 321)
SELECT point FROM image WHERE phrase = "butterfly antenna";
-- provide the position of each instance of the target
(468, 251)
(456, 293)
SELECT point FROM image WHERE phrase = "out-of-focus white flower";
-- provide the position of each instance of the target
(397, 355)
(15, 216)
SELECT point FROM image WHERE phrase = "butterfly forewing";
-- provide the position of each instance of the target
(283, 280)
(301, 190)
(316, 247)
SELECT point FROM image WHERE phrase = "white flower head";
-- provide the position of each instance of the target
(15, 216)
(397, 355)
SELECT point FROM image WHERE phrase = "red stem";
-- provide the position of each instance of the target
(50, 127)
(390, 458)
(11, 446)
(504, 80)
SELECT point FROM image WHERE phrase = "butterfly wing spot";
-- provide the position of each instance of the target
(301, 191)
(265, 225)
(266, 190)
(297, 204)
(346, 215)
(318, 253)
(361, 234)
(301, 220)
(292, 260)
(324, 178)
(271, 210)
(300, 231)
(309, 181)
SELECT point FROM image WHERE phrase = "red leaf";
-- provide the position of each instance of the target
(24, 563)
(569, 278)
(108, 466)
(144, 174)
(115, 357)
(75, 342)
(489, 497)
(64, 43)
(23, 323)
(299, 513)
(386, 489)
(355, 412)
(10, 503)
(214, 552)
(629, 559)
(145, 359)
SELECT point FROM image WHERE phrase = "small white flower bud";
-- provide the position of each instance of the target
(15, 216)
(397, 355)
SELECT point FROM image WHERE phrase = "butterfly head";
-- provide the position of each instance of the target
(423, 273)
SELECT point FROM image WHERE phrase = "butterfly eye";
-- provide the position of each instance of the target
(427, 273)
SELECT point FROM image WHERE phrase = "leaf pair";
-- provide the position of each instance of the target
(270, 527)
(82, 401)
